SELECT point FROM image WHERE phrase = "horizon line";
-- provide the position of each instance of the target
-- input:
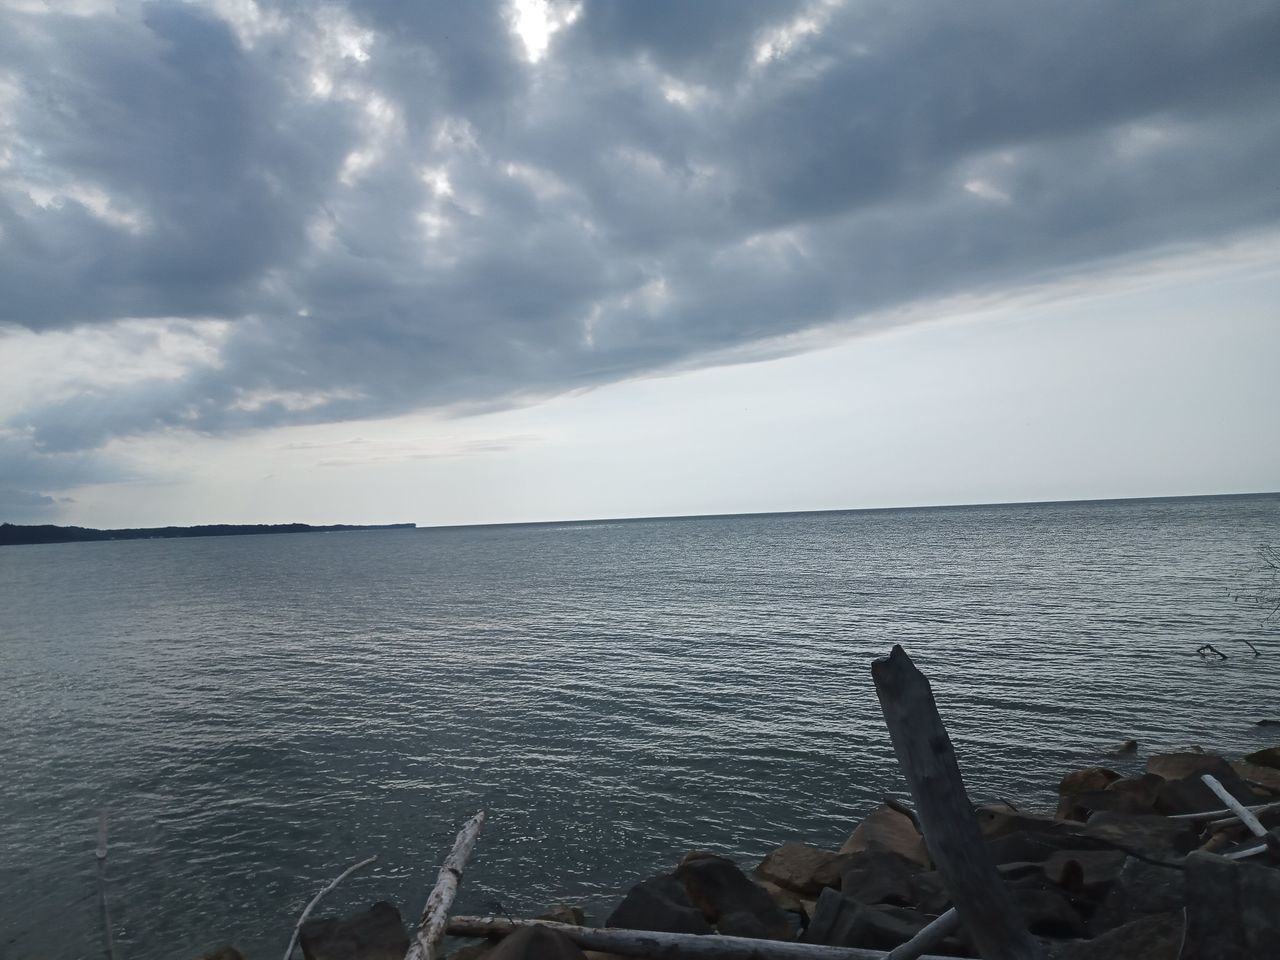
(829, 510)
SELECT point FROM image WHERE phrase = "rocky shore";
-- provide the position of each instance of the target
(1148, 867)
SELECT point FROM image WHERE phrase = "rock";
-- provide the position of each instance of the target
(659, 903)
(802, 868)
(1157, 937)
(839, 921)
(1231, 908)
(1088, 780)
(1257, 775)
(998, 820)
(738, 907)
(376, 934)
(1047, 912)
(1270, 757)
(929, 893)
(1022, 846)
(892, 830)
(1267, 723)
(564, 913)
(1125, 746)
(474, 951)
(1175, 766)
(536, 943)
(1085, 872)
(878, 876)
(1126, 795)
(1188, 793)
(224, 953)
(1141, 889)
(1151, 835)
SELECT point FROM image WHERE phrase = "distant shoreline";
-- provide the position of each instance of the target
(12, 535)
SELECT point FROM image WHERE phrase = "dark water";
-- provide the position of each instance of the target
(258, 712)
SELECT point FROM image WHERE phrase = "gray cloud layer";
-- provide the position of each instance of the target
(392, 208)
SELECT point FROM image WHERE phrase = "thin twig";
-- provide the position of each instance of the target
(293, 940)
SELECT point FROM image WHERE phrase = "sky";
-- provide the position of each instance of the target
(389, 261)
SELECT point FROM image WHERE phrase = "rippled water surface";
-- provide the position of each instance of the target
(256, 713)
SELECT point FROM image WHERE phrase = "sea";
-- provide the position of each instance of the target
(254, 714)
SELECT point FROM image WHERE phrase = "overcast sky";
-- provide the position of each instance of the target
(469, 262)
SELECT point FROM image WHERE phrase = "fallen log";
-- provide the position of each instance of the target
(963, 859)
(293, 940)
(1208, 814)
(647, 943)
(1243, 813)
(435, 915)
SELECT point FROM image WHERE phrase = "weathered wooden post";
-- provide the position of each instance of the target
(928, 763)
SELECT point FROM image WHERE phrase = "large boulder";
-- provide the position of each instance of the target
(1233, 909)
(1047, 912)
(1086, 873)
(563, 913)
(839, 921)
(737, 907)
(1140, 889)
(660, 904)
(1258, 775)
(1153, 836)
(802, 868)
(1156, 937)
(376, 934)
(1189, 794)
(889, 829)
(879, 876)
(536, 943)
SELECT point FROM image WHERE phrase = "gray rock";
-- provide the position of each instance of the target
(1233, 908)
(659, 903)
(879, 876)
(892, 830)
(1157, 937)
(564, 913)
(1047, 912)
(376, 934)
(839, 921)
(1141, 889)
(1154, 836)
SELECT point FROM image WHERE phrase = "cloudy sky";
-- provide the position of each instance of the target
(388, 260)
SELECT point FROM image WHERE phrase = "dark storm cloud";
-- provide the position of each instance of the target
(393, 209)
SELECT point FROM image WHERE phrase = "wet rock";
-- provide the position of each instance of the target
(1141, 889)
(892, 830)
(536, 943)
(998, 820)
(878, 876)
(839, 921)
(1189, 794)
(1087, 781)
(1154, 836)
(564, 913)
(1267, 723)
(1157, 937)
(1175, 766)
(1270, 757)
(1125, 746)
(1231, 908)
(802, 868)
(659, 903)
(376, 934)
(728, 899)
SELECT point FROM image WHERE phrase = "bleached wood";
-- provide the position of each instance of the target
(647, 943)
(297, 929)
(1208, 814)
(932, 935)
(435, 915)
(928, 764)
(1235, 806)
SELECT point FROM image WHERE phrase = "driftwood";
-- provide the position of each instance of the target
(1211, 814)
(435, 915)
(928, 763)
(932, 935)
(101, 854)
(646, 943)
(293, 940)
(1242, 812)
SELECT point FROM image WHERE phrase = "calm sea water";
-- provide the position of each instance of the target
(256, 713)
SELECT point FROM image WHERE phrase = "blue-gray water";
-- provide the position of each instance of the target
(256, 713)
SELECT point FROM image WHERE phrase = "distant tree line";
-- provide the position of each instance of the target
(12, 534)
